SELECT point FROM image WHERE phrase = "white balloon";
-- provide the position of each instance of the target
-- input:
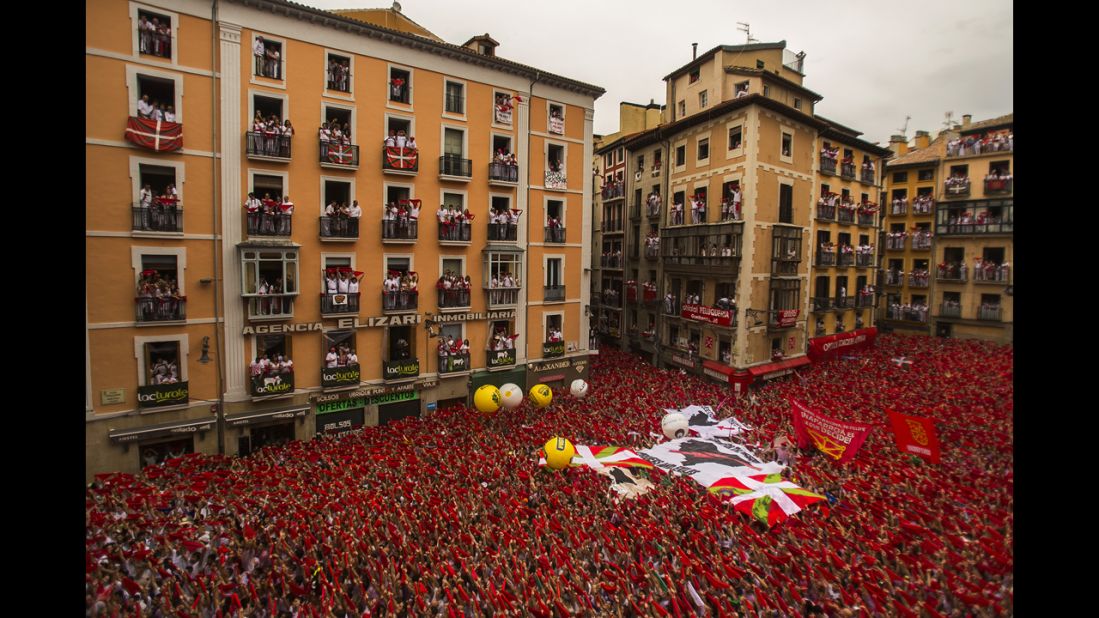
(579, 388)
(511, 396)
(674, 425)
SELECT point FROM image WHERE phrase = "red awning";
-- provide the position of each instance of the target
(716, 366)
(762, 370)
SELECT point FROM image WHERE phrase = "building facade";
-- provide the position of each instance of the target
(250, 284)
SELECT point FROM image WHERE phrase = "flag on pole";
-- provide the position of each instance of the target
(916, 435)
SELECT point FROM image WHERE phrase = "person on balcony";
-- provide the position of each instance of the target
(273, 65)
(144, 107)
(253, 206)
(169, 114)
(401, 139)
(391, 139)
(260, 52)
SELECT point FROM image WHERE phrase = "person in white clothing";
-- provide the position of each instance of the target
(170, 114)
(331, 359)
(144, 107)
(341, 282)
(353, 284)
(260, 53)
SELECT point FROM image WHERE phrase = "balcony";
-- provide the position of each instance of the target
(997, 186)
(919, 279)
(267, 146)
(847, 170)
(503, 174)
(845, 259)
(950, 310)
(652, 207)
(957, 187)
(612, 298)
(555, 234)
(454, 167)
(399, 231)
(821, 304)
(867, 177)
(401, 301)
(969, 226)
(553, 349)
(990, 313)
(951, 272)
(336, 155)
(401, 369)
(846, 215)
(844, 302)
(611, 261)
(826, 258)
(553, 293)
(826, 213)
(894, 277)
(778, 319)
(631, 292)
(556, 181)
(863, 300)
(649, 295)
(865, 219)
(160, 217)
(163, 395)
(339, 80)
(400, 161)
(907, 314)
(270, 306)
(503, 231)
(264, 224)
(864, 260)
(923, 205)
(992, 273)
(613, 192)
(921, 242)
(453, 299)
(785, 267)
(671, 306)
(341, 376)
(155, 43)
(271, 384)
(339, 228)
(894, 243)
(454, 363)
(150, 309)
(500, 297)
(898, 208)
(827, 166)
(455, 232)
(342, 302)
(499, 358)
(652, 252)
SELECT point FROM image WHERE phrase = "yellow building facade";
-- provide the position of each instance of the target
(221, 281)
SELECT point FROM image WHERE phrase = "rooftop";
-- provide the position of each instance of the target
(727, 49)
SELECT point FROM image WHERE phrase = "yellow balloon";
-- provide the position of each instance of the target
(541, 395)
(487, 399)
(559, 453)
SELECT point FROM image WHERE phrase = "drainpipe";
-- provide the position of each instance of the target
(215, 115)
(666, 203)
(526, 273)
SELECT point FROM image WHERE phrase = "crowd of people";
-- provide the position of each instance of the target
(912, 312)
(339, 75)
(154, 36)
(957, 183)
(334, 132)
(158, 297)
(504, 224)
(652, 204)
(398, 139)
(998, 175)
(266, 367)
(340, 355)
(504, 288)
(401, 219)
(159, 211)
(449, 515)
(400, 291)
(965, 222)
(611, 258)
(453, 354)
(454, 222)
(164, 371)
(155, 110)
(993, 141)
(454, 290)
(652, 244)
(919, 277)
(730, 205)
(342, 280)
(268, 58)
(501, 341)
(268, 216)
(989, 270)
(271, 137)
(341, 220)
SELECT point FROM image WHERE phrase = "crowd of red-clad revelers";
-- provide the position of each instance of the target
(451, 516)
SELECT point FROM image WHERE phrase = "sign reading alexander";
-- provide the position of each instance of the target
(702, 313)
(553, 349)
(362, 402)
(160, 395)
(785, 318)
(340, 376)
(395, 370)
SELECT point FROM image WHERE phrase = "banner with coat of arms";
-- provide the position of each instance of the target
(837, 439)
(916, 436)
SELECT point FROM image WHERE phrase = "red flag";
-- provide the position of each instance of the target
(916, 436)
(157, 135)
(838, 439)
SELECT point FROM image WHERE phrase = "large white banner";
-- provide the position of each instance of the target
(702, 421)
(707, 460)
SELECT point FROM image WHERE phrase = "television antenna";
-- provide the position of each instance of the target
(747, 30)
(949, 122)
(904, 129)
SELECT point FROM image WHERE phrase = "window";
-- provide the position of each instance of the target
(338, 73)
(999, 168)
(158, 208)
(337, 193)
(693, 76)
(455, 98)
(787, 144)
(640, 163)
(400, 85)
(656, 159)
(785, 294)
(340, 352)
(797, 103)
(820, 287)
(339, 285)
(159, 297)
(269, 277)
(608, 160)
(400, 349)
(555, 158)
(766, 90)
(786, 203)
(556, 119)
(735, 137)
(741, 89)
(154, 34)
(620, 157)
(682, 108)
(785, 250)
(158, 93)
(703, 99)
(925, 175)
(900, 177)
(680, 156)
(268, 57)
(759, 64)
(554, 273)
(273, 369)
(703, 149)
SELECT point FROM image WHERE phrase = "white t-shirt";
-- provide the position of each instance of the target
(330, 360)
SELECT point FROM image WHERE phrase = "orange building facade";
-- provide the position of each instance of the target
(299, 282)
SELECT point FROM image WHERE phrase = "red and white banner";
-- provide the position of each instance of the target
(155, 135)
(702, 313)
(916, 435)
(837, 439)
(341, 154)
(826, 348)
(786, 318)
(401, 158)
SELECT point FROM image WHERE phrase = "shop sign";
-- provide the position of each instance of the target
(711, 315)
(686, 361)
(340, 376)
(786, 318)
(362, 402)
(553, 349)
(160, 395)
(717, 375)
(443, 318)
(500, 358)
(395, 370)
(112, 396)
(278, 384)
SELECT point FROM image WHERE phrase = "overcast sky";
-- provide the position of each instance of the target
(873, 62)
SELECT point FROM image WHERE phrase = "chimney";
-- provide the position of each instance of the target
(898, 144)
(966, 119)
(694, 51)
(923, 139)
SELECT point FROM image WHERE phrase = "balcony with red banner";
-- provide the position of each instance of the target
(339, 155)
(780, 319)
(155, 135)
(400, 161)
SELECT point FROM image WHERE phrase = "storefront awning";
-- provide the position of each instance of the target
(160, 430)
(718, 367)
(783, 365)
(254, 417)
